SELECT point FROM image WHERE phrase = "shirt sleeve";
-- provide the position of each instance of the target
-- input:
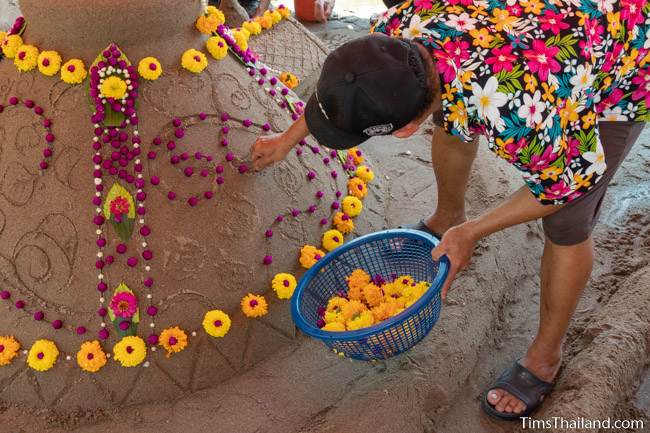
(570, 164)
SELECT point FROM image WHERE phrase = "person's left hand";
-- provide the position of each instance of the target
(458, 245)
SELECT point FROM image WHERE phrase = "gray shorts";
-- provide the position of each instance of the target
(575, 221)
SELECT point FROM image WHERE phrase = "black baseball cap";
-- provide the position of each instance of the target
(370, 86)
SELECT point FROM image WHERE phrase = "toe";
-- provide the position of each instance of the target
(503, 403)
(520, 407)
(494, 396)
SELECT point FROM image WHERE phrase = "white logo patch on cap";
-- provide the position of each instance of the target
(384, 129)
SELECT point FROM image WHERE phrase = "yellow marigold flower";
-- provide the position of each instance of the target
(150, 68)
(194, 61)
(336, 304)
(173, 340)
(42, 355)
(73, 71)
(357, 280)
(10, 45)
(356, 155)
(9, 348)
(217, 47)
(254, 305)
(413, 293)
(343, 223)
(352, 206)
(392, 292)
(113, 87)
(363, 320)
(26, 58)
(91, 357)
(332, 239)
(373, 295)
(364, 173)
(211, 10)
(357, 188)
(130, 351)
(207, 24)
(284, 285)
(404, 281)
(276, 17)
(216, 323)
(289, 80)
(265, 21)
(333, 317)
(254, 28)
(334, 327)
(3, 35)
(284, 11)
(353, 309)
(384, 311)
(309, 255)
(240, 38)
(49, 63)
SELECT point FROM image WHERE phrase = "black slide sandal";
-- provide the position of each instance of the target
(521, 383)
(421, 226)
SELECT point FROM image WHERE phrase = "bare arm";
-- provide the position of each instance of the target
(458, 242)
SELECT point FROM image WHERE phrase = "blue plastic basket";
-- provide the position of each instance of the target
(386, 253)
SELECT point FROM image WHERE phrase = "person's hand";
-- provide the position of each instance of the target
(458, 245)
(269, 149)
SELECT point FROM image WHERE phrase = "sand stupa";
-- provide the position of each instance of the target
(152, 199)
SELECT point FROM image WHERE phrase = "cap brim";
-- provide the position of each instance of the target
(325, 132)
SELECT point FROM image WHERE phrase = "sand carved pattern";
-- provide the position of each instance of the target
(173, 87)
(19, 181)
(44, 257)
(238, 95)
(64, 98)
(290, 48)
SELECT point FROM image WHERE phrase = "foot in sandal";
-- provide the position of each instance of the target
(520, 390)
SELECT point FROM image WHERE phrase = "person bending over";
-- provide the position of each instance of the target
(558, 89)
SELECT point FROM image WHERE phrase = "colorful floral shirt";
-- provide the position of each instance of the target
(535, 77)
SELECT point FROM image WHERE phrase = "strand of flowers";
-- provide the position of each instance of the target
(27, 57)
(48, 150)
(115, 83)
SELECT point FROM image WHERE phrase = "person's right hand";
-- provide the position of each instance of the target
(269, 149)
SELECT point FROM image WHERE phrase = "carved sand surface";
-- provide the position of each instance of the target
(205, 257)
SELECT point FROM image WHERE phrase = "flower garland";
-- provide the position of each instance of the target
(114, 90)
(49, 63)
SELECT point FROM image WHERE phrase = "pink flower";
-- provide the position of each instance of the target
(611, 57)
(119, 206)
(541, 59)
(613, 98)
(631, 12)
(514, 148)
(553, 22)
(450, 58)
(502, 59)
(124, 304)
(557, 191)
(538, 163)
(462, 2)
(642, 80)
(572, 150)
(393, 25)
(422, 4)
(515, 10)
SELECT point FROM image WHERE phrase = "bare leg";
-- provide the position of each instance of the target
(564, 275)
(452, 164)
